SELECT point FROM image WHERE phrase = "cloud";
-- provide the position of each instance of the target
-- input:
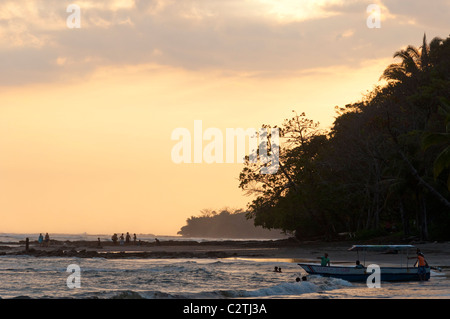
(264, 37)
(425, 14)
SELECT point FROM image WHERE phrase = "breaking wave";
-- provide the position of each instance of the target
(283, 289)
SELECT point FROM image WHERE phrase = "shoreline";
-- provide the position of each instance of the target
(437, 254)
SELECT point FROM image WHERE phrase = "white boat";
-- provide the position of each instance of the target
(351, 273)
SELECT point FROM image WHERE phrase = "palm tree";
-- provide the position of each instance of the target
(413, 61)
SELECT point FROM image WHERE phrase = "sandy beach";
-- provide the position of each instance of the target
(437, 254)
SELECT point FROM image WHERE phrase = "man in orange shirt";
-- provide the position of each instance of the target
(421, 264)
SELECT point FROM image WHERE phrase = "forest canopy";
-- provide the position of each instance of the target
(225, 223)
(382, 167)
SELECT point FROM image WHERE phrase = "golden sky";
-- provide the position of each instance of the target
(86, 115)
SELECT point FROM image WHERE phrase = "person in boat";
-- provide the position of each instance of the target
(324, 260)
(358, 264)
(421, 264)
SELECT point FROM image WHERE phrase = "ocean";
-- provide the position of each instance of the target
(212, 278)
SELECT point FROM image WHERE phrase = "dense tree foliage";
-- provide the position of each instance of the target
(384, 165)
(225, 223)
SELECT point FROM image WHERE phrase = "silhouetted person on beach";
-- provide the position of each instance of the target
(121, 240)
(127, 238)
(41, 240)
(134, 239)
(114, 239)
(47, 240)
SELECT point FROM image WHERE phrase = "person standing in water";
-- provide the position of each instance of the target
(421, 264)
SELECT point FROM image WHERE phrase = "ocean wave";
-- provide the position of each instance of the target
(330, 283)
(283, 289)
(129, 294)
(437, 274)
(278, 290)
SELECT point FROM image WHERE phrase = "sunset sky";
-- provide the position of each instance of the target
(86, 114)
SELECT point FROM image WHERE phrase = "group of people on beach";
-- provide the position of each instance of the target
(122, 240)
(44, 241)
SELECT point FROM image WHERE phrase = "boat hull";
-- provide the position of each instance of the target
(360, 274)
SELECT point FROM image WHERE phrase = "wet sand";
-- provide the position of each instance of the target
(437, 254)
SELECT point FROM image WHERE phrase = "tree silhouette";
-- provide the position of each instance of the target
(413, 61)
(442, 161)
(381, 163)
